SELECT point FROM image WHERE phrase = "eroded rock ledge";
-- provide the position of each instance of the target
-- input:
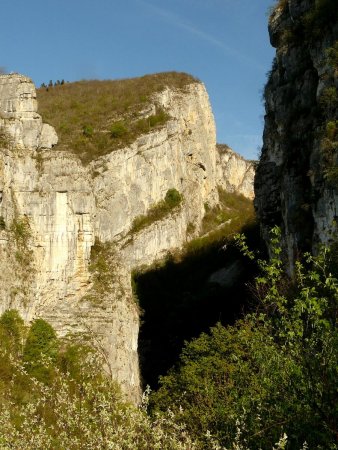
(18, 114)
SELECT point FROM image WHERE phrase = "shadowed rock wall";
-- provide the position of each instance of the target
(294, 185)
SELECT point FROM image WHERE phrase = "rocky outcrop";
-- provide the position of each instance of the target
(18, 114)
(234, 173)
(296, 182)
(66, 242)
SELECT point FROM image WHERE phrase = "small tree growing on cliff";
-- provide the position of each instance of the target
(40, 348)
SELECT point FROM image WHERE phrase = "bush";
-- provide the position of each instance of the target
(21, 230)
(155, 120)
(102, 268)
(81, 409)
(157, 212)
(274, 372)
(87, 130)
(41, 346)
(12, 331)
(173, 198)
(118, 129)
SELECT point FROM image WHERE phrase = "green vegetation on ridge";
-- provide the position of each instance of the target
(93, 118)
(158, 211)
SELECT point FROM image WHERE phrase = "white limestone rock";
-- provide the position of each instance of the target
(67, 207)
(18, 114)
(234, 173)
(48, 137)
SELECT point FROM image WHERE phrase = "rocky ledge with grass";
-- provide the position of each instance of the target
(127, 181)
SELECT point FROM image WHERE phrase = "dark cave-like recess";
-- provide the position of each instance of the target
(178, 302)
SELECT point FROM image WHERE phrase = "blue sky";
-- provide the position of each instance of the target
(223, 42)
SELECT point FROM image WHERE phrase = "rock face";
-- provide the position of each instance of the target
(296, 183)
(234, 173)
(18, 114)
(66, 246)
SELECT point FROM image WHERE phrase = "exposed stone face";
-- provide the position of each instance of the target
(55, 209)
(18, 114)
(180, 155)
(291, 186)
(234, 173)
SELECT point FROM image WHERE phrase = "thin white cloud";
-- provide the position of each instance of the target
(178, 22)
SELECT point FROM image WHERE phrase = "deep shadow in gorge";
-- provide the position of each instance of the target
(179, 303)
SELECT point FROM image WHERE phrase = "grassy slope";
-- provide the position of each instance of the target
(223, 221)
(93, 118)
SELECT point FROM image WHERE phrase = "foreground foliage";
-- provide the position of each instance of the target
(271, 377)
(54, 395)
(274, 372)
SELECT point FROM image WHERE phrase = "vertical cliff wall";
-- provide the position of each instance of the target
(234, 173)
(296, 180)
(67, 242)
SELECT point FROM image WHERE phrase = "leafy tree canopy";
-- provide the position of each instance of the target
(274, 372)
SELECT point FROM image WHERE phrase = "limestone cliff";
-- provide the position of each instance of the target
(296, 179)
(18, 114)
(66, 240)
(234, 173)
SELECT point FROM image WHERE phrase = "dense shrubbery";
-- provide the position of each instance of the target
(274, 372)
(55, 396)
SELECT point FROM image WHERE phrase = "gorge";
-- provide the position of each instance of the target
(131, 255)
